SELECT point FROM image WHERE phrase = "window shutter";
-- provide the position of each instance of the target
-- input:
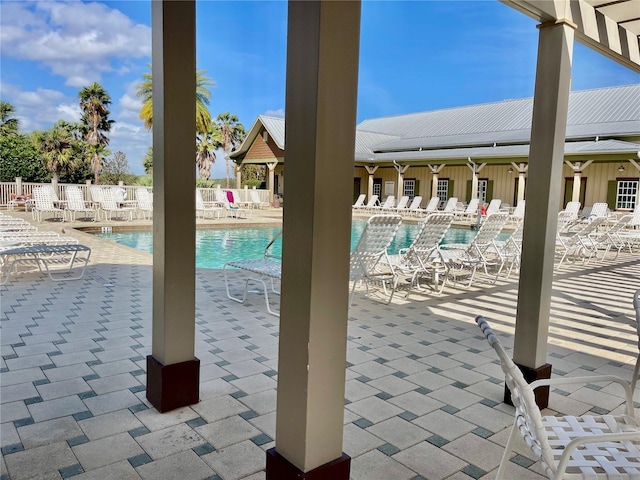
(467, 196)
(416, 190)
(449, 189)
(489, 190)
(612, 191)
(568, 191)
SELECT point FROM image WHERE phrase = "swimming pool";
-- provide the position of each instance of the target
(216, 246)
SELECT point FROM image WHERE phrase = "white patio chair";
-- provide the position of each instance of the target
(470, 211)
(451, 205)
(494, 206)
(402, 205)
(572, 209)
(372, 203)
(255, 200)
(577, 243)
(389, 202)
(464, 259)
(569, 447)
(144, 199)
(204, 208)
(369, 260)
(43, 203)
(599, 210)
(76, 204)
(234, 209)
(414, 207)
(359, 203)
(111, 207)
(423, 258)
(517, 216)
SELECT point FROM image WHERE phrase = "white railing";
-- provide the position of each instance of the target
(24, 188)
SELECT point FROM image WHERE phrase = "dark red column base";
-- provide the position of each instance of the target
(279, 468)
(531, 375)
(172, 386)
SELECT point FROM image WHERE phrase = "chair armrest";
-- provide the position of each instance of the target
(591, 379)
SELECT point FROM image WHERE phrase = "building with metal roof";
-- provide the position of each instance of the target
(443, 148)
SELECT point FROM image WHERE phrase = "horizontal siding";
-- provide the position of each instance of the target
(261, 149)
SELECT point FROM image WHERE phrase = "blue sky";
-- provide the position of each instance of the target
(414, 56)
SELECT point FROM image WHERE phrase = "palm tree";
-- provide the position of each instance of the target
(144, 91)
(57, 149)
(8, 124)
(94, 103)
(232, 132)
(206, 145)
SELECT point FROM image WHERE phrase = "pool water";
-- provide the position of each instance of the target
(216, 246)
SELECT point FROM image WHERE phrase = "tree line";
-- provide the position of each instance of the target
(77, 151)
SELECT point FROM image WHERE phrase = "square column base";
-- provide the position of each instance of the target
(172, 386)
(279, 468)
(531, 375)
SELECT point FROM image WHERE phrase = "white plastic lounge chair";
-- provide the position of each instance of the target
(110, 205)
(465, 259)
(369, 261)
(518, 213)
(389, 203)
(577, 243)
(266, 269)
(203, 208)
(494, 206)
(75, 204)
(360, 201)
(451, 205)
(599, 210)
(414, 207)
(422, 258)
(569, 447)
(372, 203)
(636, 370)
(402, 205)
(46, 256)
(572, 209)
(144, 199)
(233, 209)
(255, 200)
(432, 205)
(43, 203)
(470, 211)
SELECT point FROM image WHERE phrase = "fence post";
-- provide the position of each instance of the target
(18, 185)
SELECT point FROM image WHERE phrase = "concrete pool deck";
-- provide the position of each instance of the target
(423, 391)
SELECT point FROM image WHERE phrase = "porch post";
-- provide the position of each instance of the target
(550, 105)
(322, 82)
(238, 169)
(522, 171)
(173, 371)
(575, 194)
(370, 171)
(272, 180)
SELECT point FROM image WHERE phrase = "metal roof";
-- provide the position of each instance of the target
(617, 148)
(488, 130)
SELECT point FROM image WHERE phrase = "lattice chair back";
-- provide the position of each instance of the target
(572, 209)
(144, 198)
(97, 194)
(75, 201)
(490, 228)
(109, 201)
(43, 199)
(528, 417)
(374, 241)
(429, 236)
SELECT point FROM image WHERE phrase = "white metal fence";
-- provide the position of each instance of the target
(24, 188)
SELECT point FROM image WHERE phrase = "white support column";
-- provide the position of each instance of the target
(522, 171)
(370, 171)
(435, 171)
(577, 168)
(172, 369)
(238, 169)
(322, 70)
(475, 170)
(401, 169)
(272, 180)
(550, 105)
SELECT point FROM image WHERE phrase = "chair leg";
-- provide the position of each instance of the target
(507, 451)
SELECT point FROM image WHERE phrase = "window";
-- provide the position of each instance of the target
(409, 188)
(443, 189)
(377, 187)
(482, 190)
(626, 194)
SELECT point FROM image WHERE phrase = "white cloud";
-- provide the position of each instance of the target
(129, 104)
(275, 113)
(78, 41)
